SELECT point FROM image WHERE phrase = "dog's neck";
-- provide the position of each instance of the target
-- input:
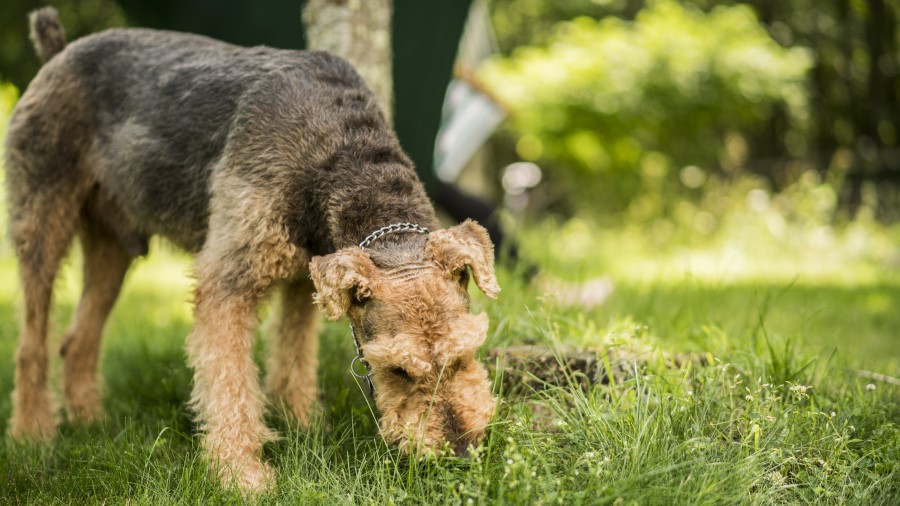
(394, 196)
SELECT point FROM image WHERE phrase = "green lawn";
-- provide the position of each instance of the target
(778, 415)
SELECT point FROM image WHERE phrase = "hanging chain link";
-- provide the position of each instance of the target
(367, 377)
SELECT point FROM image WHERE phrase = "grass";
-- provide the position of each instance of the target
(778, 416)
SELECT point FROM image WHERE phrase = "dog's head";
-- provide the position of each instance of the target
(410, 309)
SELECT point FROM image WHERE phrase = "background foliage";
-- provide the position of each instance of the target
(760, 108)
(621, 106)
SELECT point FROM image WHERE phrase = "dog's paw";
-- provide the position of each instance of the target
(84, 408)
(35, 427)
(251, 477)
(300, 407)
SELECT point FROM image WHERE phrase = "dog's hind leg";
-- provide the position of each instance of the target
(105, 264)
(47, 147)
(41, 225)
(293, 359)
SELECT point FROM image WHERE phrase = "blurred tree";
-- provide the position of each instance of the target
(359, 32)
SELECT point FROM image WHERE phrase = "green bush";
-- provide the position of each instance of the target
(615, 108)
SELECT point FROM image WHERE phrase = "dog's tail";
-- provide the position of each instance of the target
(47, 33)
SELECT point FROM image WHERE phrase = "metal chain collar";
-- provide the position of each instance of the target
(396, 227)
(374, 236)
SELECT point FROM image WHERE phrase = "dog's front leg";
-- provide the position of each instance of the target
(227, 396)
(293, 358)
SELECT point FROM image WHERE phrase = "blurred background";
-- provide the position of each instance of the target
(622, 141)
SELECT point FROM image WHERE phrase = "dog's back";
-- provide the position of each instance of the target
(147, 116)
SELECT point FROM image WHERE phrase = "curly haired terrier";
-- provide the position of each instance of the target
(272, 166)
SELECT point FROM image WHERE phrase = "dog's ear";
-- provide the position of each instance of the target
(340, 276)
(466, 244)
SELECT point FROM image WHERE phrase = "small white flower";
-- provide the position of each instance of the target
(749, 398)
(800, 389)
(870, 386)
(833, 414)
(509, 439)
(776, 477)
(509, 461)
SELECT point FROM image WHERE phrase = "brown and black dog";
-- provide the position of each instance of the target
(272, 166)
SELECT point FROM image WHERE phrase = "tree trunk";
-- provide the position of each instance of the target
(360, 32)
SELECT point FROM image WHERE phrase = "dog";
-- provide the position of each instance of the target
(272, 166)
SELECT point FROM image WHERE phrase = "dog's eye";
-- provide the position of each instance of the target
(401, 373)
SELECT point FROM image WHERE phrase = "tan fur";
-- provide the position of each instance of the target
(415, 317)
(42, 225)
(227, 396)
(46, 33)
(338, 274)
(232, 279)
(293, 359)
(42, 244)
(105, 264)
(467, 244)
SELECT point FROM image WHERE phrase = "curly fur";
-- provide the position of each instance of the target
(270, 165)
